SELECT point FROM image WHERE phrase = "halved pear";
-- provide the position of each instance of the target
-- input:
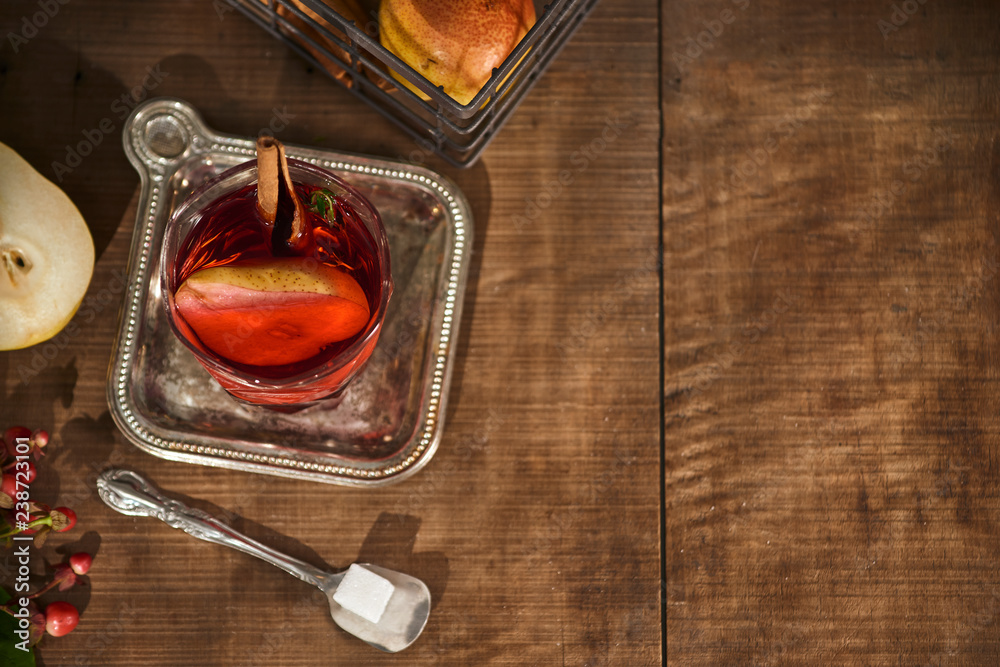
(46, 255)
(274, 312)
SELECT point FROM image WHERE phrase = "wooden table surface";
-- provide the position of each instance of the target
(727, 397)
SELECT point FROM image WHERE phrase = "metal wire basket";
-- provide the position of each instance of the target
(353, 57)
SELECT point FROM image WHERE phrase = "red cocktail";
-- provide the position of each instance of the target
(281, 313)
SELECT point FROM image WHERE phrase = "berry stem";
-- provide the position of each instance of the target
(35, 523)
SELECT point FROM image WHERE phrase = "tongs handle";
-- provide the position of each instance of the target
(130, 493)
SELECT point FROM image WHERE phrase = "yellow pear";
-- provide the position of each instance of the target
(455, 44)
(46, 255)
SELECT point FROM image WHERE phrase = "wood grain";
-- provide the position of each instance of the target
(830, 296)
(536, 525)
(820, 183)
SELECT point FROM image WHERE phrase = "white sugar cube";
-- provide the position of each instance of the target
(364, 593)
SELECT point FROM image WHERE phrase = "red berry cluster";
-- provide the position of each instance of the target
(21, 514)
(59, 618)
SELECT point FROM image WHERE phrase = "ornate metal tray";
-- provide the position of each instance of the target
(390, 420)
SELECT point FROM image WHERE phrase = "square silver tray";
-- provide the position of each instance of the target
(390, 420)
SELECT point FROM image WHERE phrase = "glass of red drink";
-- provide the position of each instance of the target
(268, 322)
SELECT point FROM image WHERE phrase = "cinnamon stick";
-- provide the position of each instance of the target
(268, 183)
(276, 199)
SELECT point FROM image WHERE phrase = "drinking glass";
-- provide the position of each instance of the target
(297, 385)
